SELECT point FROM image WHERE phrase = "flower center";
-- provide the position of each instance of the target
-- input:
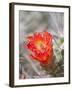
(40, 45)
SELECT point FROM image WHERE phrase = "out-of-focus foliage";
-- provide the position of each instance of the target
(31, 22)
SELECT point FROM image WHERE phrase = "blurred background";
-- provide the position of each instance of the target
(30, 22)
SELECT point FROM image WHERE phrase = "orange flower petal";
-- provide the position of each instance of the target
(41, 46)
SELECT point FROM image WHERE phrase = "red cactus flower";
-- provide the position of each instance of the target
(41, 47)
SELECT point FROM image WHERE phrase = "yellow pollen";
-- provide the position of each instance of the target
(40, 45)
